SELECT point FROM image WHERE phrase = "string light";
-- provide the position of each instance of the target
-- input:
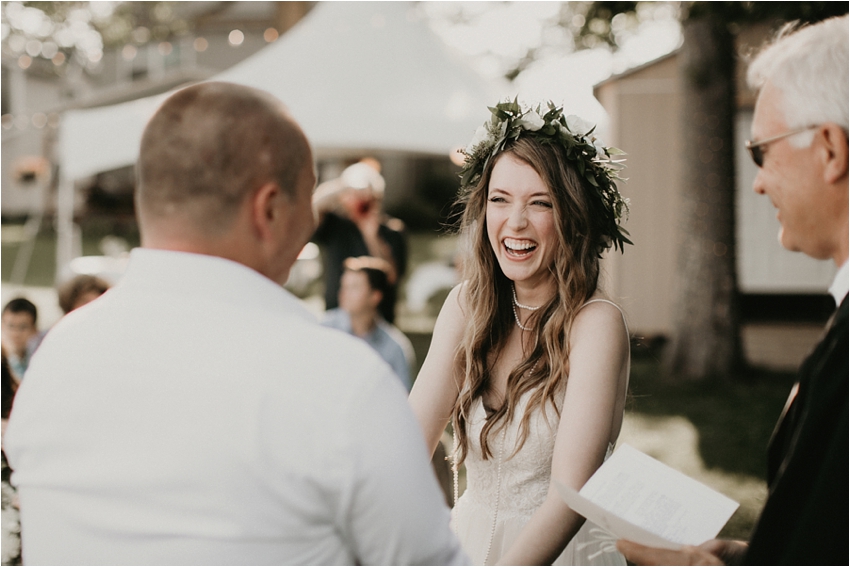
(39, 120)
(49, 50)
(22, 121)
(235, 38)
(129, 52)
(33, 48)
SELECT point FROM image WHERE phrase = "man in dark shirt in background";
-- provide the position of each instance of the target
(351, 223)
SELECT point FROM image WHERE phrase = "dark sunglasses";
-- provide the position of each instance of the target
(755, 147)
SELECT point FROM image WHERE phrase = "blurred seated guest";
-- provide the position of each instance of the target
(11, 543)
(80, 290)
(365, 281)
(352, 224)
(20, 334)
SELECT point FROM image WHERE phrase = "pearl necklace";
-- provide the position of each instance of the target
(516, 304)
(520, 305)
(498, 495)
(518, 324)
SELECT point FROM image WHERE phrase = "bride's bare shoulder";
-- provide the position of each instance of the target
(457, 300)
(599, 319)
(454, 310)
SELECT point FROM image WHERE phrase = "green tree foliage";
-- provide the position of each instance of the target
(78, 32)
(599, 15)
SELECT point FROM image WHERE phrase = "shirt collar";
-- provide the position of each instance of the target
(839, 286)
(199, 275)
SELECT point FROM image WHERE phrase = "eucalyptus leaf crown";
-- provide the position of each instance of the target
(593, 161)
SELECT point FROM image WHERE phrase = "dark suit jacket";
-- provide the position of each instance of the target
(805, 518)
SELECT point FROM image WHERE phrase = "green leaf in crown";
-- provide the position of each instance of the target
(593, 160)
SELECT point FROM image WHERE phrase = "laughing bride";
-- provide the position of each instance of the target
(528, 359)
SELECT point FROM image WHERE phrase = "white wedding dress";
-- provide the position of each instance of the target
(504, 491)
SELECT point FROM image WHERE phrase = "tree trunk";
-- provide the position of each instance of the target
(706, 341)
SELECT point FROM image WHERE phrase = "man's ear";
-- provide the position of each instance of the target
(376, 297)
(836, 152)
(266, 209)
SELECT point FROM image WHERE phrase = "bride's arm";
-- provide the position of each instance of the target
(591, 417)
(435, 390)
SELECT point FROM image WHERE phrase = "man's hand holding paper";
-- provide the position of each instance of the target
(712, 552)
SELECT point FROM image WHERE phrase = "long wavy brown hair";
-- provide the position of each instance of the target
(580, 217)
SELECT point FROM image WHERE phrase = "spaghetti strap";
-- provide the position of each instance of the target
(628, 335)
(620, 309)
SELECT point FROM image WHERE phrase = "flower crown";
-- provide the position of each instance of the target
(591, 158)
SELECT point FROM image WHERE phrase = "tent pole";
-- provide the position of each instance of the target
(65, 233)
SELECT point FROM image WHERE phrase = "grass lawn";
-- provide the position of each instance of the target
(716, 433)
(42, 266)
(41, 269)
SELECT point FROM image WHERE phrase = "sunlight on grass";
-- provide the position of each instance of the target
(674, 441)
(716, 431)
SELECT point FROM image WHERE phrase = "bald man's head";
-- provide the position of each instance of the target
(207, 148)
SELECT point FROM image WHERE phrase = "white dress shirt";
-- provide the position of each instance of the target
(840, 284)
(197, 414)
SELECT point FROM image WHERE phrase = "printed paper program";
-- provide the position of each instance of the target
(638, 498)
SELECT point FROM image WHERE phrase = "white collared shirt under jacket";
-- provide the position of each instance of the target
(839, 286)
(197, 414)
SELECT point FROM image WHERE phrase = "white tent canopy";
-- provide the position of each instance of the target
(355, 75)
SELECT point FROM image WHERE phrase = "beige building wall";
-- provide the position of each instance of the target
(644, 110)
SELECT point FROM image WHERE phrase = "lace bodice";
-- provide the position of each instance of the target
(503, 493)
(524, 475)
